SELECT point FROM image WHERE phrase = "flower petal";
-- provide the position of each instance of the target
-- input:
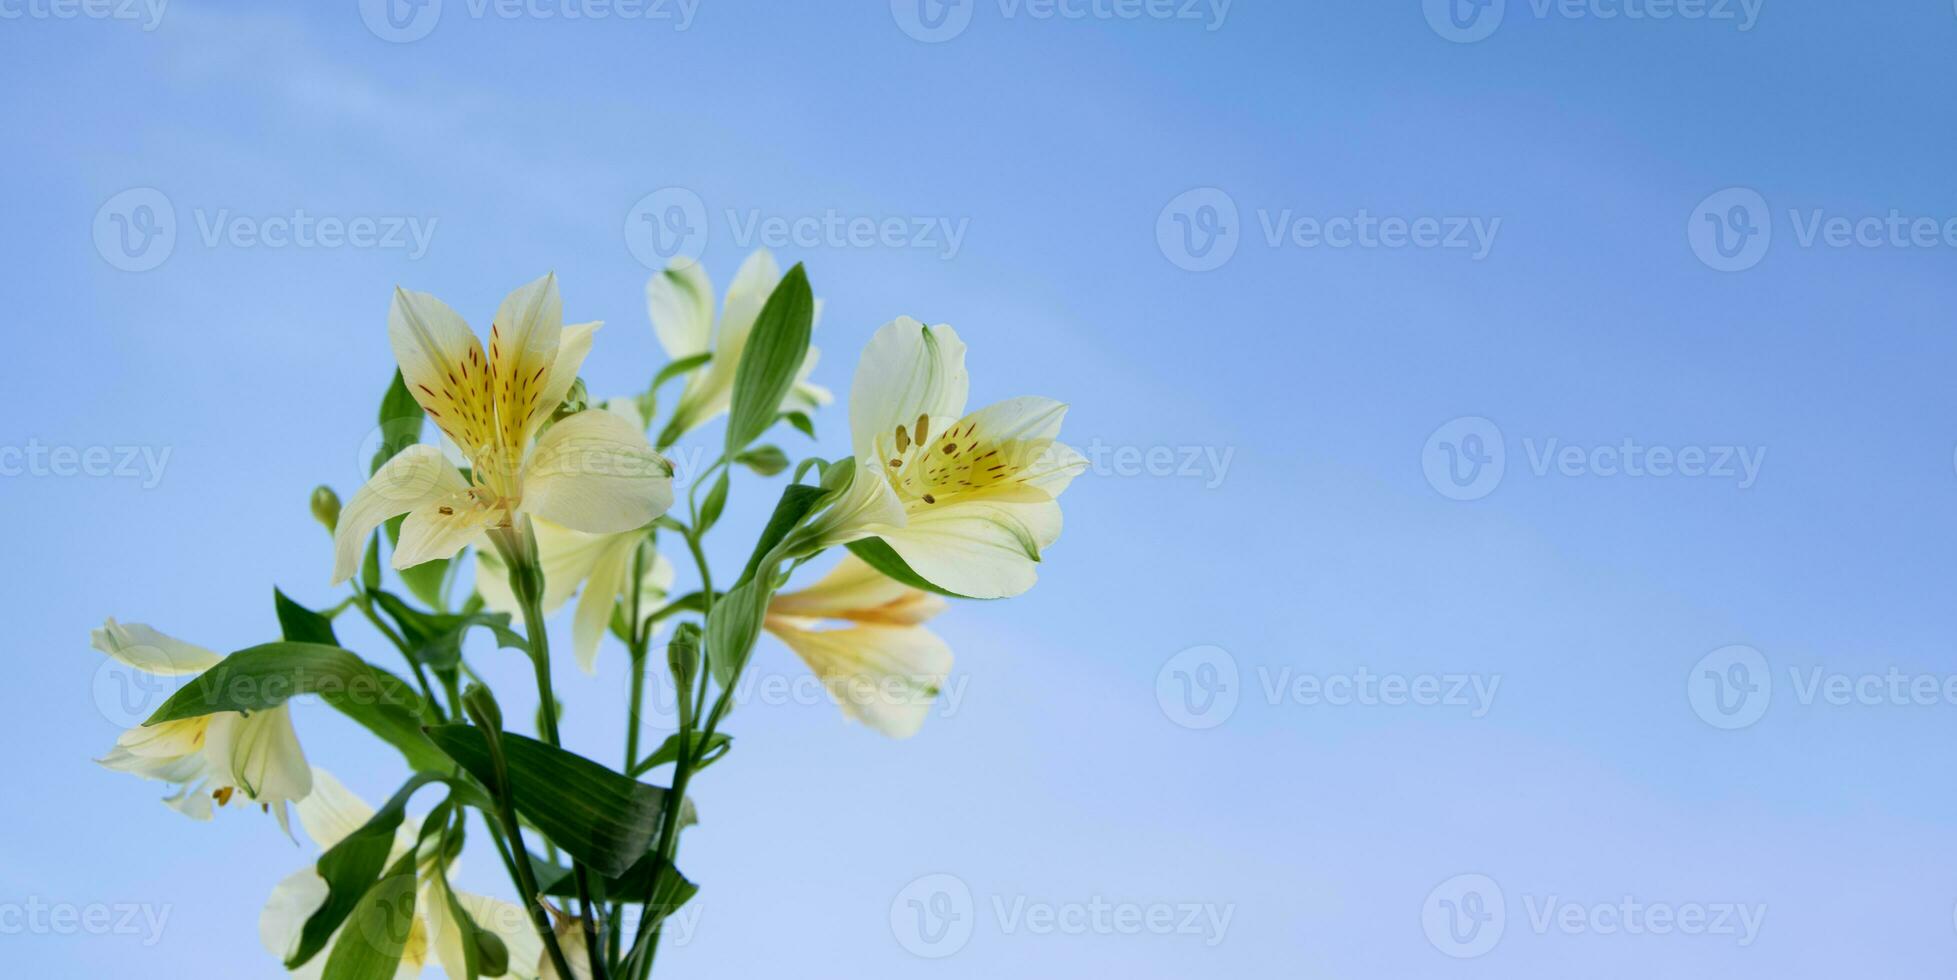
(907, 370)
(978, 549)
(679, 301)
(854, 591)
(260, 754)
(594, 472)
(601, 590)
(523, 343)
(150, 651)
(332, 811)
(282, 923)
(883, 676)
(441, 528)
(416, 476)
(443, 366)
(567, 558)
(572, 349)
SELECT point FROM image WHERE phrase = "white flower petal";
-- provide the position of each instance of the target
(854, 591)
(440, 529)
(150, 651)
(977, 549)
(883, 676)
(907, 370)
(332, 811)
(282, 923)
(442, 365)
(594, 472)
(260, 754)
(680, 302)
(601, 591)
(523, 345)
(571, 352)
(417, 476)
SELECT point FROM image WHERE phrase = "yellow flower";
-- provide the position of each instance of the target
(219, 757)
(591, 471)
(680, 303)
(883, 668)
(330, 814)
(968, 501)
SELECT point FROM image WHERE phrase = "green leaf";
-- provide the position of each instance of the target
(400, 419)
(715, 503)
(878, 554)
(436, 639)
(775, 350)
(350, 868)
(679, 367)
(265, 676)
(797, 502)
(801, 421)
(598, 816)
(669, 751)
(764, 460)
(377, 931)
(649, 881)
(732, 628)
(302, 625)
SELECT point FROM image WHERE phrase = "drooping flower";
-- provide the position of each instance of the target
(680, 302)
(330, 814)
(601, 564)
(883, 667)
(220, 758)
(967, 501)
(591, 471)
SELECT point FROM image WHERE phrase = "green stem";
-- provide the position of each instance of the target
(366, 607)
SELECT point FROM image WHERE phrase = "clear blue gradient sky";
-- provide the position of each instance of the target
(1078, 766)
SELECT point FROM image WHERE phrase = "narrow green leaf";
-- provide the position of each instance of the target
(775, 350)
(377, 932)
(715, 503)
(669, 751)
(302, 625)
(732, 628)
(797, 502)
(801, 421)
(400, 422)
(266, 676)
(598, 816)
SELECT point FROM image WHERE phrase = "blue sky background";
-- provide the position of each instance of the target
(1066, 773)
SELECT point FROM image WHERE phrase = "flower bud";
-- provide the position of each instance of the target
(326, 507)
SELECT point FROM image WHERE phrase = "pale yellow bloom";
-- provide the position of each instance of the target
(882, 667)
(969, 501)
(328, 816)
(679, 301)
(591, 471)
(223, 757)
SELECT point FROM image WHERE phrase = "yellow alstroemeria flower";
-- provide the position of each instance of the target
(884, 668)
(591, 471)
(601, 563)
(219, 757)
(679, 301)
(968, 501)
(329, 815)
